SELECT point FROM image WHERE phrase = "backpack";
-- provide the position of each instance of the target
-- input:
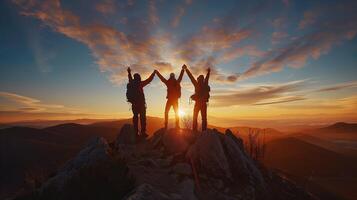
(202, 94)
(133, 92)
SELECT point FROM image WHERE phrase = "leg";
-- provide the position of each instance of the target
(167, 109)
(204, 116)
(143, 120)
(135, 118)
(196, 109)
(177, 118)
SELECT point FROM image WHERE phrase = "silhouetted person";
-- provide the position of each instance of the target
(173, 94)
(135, 95)
(201, 97)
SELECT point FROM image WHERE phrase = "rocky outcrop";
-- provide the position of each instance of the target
(126, 135)
(175, 141)
(97, 150)
(221, 158)
(175, 164)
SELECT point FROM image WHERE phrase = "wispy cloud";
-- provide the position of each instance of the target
(278, 36)
(32, 105)
(114, 50)
(260, 95)
(153, 17)
(106, 7)
(179, 13)
(309, 18)
(320, 41)
(340, 86)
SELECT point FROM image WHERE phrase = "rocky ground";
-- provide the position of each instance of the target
(172, 164)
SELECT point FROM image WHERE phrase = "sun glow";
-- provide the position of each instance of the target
(182, 113)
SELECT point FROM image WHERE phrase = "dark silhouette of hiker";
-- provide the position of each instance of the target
(173, 94)
(135, 95)
(201, 97)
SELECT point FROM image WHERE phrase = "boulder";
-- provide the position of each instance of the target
(236, 139)
(174, 141)
(126, 135)
(187, 189)
(222, 157)
(243, 168)
(156, 139)
(182, 168)
(208, 156)
(147, 192)
(97, 150)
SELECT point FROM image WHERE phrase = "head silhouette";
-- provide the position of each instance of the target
(137, 77)
(200, 79)
(172, 76)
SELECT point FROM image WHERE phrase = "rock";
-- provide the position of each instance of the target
(126, 135)
(182, 168)
(220, 156)
(208, 156)
(147, 192)
(147, 163)
(236, 139)
(125, 151)
(175, 141)
(187, 189)
(96, 151)
(242, 166)
(156, 139)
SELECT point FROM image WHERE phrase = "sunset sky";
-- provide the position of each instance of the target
(270, 59)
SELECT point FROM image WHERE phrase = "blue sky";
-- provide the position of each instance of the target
(66, 59)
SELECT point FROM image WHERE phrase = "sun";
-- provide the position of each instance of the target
(182, 113)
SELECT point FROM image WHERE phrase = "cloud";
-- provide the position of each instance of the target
(32, 105)
(234, 53)
(153, 17)
(18, 115)
(341, 105)
(114, 50)
(222, 37)
(352, 84)
(259, 95)
(277, 36)
(179, 13)
(310, 17)
(282, 100)
(311, 45)
(106, 7)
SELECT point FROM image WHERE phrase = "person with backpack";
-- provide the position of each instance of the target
(201, 97)
(135, 95)
(173, 94)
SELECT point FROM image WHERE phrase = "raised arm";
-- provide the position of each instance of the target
(161, 77)
(181, 75)
(193, 80)
(129, 74)
(207, 76)
(148, 80)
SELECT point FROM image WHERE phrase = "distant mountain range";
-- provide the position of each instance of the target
(340, 127)
(26, 152)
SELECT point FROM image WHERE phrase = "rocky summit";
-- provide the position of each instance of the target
(171, 164)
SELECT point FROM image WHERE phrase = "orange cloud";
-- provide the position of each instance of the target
(32, 105)
(114, 50)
